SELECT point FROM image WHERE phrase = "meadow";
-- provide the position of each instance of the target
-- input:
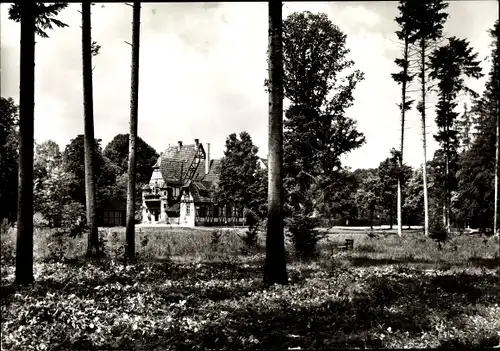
(195, 288)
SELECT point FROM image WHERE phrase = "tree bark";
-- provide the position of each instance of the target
(497, 146)
(371, 220)
(497, 151)
(24, 242)
(88, 122)
(391, 216)
(424, 143)
(275, 264)
(134, 105)
(447, 198)
(403, 114)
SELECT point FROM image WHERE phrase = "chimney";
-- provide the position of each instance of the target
(196, 141)
(207, 159)
(180, 145)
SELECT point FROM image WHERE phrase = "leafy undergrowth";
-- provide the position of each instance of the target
(159, 305)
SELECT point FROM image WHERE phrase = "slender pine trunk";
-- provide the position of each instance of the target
(497, 148)
(401, 147)
(447, 186)
(424, 138)
(275, 264)
(88, 122)
(134, 105)
(24, 242)
(391, 216)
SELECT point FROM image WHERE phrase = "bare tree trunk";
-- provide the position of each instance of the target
(403, 114)
(497, 148)
(134, 105)
(497, 151)
(400, 192)
(447, 190)
(88, 121)
(371, 220)
(424, 142)
(275, 264)
(391, 217)
(24, 242)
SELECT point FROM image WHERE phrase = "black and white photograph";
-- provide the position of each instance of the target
(250, 175)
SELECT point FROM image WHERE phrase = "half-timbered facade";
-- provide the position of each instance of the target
(180, 191)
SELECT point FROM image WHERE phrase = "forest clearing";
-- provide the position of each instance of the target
(191, 290)
(195, 234)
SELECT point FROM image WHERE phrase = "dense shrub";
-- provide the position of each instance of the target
(437, 231)
(304, 236)
(250, 237)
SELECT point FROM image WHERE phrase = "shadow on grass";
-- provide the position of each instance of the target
(159, 271)
(485, 262)
(366, 261)
(405, 305)
(370, 262)
(410, 304)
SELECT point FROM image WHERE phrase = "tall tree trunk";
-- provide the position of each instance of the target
(24, 243)
(424, 142)
(447, 187)
(403, 114)
(88, 122)
(497, 151)
(134, 105)
(391, 216)
(275, 264)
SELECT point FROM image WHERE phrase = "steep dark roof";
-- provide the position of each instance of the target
(175, 163)
(199, 192)
(213, 174)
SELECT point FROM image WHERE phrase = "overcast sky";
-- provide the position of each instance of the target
(202, 69)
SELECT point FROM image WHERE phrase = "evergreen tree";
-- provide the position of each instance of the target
(35, 18)
(404, 77)
(449, 64)
(476, 174)
(426, 21)
(275, 263)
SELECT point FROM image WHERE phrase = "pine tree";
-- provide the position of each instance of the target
(464, 126)
(426, 22)
(476, 175)
(35, 18)
(89, 49)
(449, 65)
(275, 263)
(134, 105)
(404, 78)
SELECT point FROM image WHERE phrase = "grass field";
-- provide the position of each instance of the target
(191, 291)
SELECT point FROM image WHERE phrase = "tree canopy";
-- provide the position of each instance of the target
(319, 82)
(241, 180)
(117, 152)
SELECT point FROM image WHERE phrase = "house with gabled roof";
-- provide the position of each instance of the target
(180, 191)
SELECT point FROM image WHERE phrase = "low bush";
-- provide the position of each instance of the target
(250, 237)
(304, 235)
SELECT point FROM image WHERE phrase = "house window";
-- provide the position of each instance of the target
(188, 209)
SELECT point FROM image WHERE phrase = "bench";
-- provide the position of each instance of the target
(349, 245)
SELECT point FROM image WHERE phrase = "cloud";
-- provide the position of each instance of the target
(202, 69)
